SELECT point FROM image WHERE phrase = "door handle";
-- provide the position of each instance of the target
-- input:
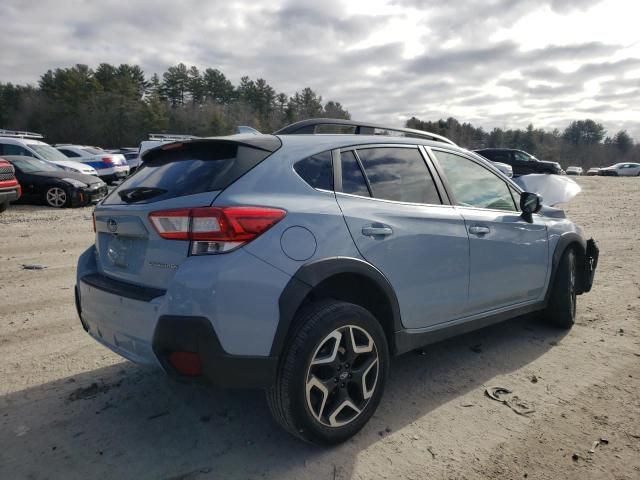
(479, 230)
(375, 231)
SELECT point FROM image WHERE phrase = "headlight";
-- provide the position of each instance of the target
(74, 182)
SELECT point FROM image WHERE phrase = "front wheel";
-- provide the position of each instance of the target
(561, 311)
(57, 197)
(332, 374)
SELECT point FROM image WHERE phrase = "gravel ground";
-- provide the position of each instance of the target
(71, 409)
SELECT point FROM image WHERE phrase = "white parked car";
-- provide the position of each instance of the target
(627, 169)
(593, 171)
(27, 144)
(574, 171)
(110, 166)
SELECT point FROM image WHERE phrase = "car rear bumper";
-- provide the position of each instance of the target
(132, 330)
(231, 336)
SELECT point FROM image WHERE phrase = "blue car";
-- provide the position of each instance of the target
(300, 263)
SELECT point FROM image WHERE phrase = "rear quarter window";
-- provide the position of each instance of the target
(316, 170)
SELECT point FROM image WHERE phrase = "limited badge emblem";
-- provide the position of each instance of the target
(112, 225)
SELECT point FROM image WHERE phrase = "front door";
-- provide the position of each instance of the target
(509, 256)
(400, 226)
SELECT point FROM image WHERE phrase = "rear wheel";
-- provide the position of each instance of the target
(561, 311)
(57, 197)
(332, 374)
(4, 206)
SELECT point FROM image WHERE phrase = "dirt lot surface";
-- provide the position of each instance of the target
(71, 409)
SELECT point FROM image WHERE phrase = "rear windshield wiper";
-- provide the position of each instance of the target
(137, 194)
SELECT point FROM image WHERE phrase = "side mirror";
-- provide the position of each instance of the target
(530, 203)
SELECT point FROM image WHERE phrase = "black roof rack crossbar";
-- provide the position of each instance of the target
(361, 128)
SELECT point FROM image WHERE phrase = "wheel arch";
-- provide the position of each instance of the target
(567, 241)
(348, 279)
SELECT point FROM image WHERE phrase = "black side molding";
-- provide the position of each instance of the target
(124, 289)
(407, 340)
(314, 273)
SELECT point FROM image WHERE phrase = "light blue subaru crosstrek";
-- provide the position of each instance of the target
(301, 262)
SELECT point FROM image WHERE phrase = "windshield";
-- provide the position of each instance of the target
(28, 165)
(92, 150)
(47, 152)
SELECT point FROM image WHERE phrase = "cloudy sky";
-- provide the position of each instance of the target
(502, 63)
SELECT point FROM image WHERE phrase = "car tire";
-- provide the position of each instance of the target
(57, 197)
(325, 391)
(561, 310)
(4, 206)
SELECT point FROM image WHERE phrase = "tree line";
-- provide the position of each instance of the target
(582, 143)
(113, 106)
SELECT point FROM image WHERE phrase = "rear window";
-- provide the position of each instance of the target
(190, 169)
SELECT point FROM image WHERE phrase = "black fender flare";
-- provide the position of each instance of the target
(564, 241)
(312, 274)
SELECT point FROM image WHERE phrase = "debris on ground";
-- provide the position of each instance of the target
(33, 266)
(534, 379)
(504, 395)
(89, 392)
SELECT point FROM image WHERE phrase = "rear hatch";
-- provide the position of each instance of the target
(173, 176)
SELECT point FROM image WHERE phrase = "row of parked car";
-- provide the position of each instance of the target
(66, 175)
(524, 163)
(63, 175)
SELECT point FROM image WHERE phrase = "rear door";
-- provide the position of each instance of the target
(185, 176)
(509, 256)
(401, 225)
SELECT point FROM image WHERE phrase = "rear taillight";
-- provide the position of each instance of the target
(107, 160)
(215, 229)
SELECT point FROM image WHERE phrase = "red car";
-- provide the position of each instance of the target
(10, 190)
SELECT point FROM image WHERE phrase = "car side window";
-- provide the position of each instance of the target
(521, 157)
(69, 153)
(316, 170)
(503, 157)
(353, 181)
(10, 149)
(473, 185)
(399, 174)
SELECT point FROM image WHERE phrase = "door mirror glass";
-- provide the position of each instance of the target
(530, 203)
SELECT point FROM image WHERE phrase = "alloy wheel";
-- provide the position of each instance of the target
(342, 376)
(56, 197)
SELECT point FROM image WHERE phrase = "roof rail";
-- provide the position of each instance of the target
(170, 136)
(19, 134)
(361, 128)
